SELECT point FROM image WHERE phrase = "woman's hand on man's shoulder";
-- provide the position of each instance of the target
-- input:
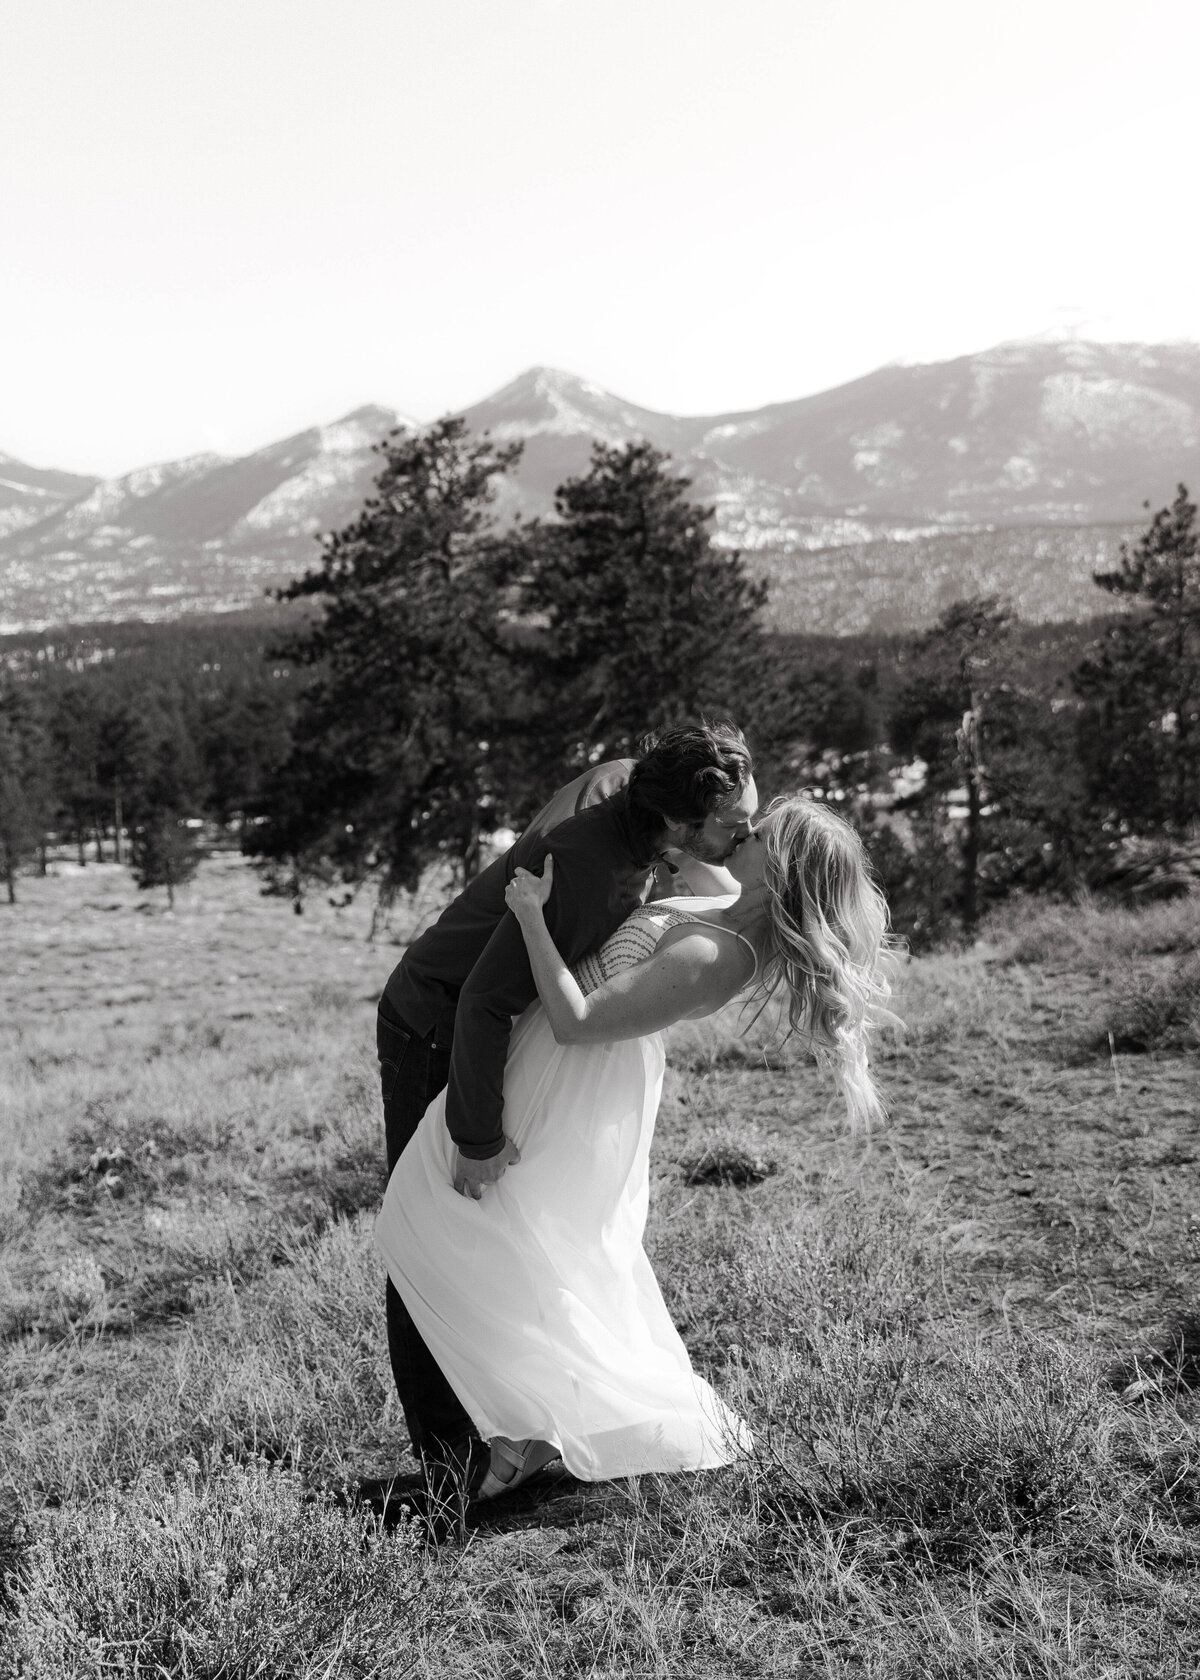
(526, 893)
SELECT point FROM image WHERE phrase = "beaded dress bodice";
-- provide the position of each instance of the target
(636, 939)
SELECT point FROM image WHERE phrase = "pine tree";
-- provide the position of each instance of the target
(74, 727)
(940, 717)
(246, 736)
(643, 621)
(164, 850)
(815, 721)
(25, 797)
(124, 753)
(408, 738)
(1142, 684)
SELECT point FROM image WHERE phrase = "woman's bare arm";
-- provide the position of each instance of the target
(693, 975)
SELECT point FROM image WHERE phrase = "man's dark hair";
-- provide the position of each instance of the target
(686, 772)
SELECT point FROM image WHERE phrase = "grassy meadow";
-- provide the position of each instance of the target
(969, 1344)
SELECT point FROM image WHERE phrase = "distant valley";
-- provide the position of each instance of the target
(1017, 471)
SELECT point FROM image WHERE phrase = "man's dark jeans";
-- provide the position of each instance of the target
(412, 1071)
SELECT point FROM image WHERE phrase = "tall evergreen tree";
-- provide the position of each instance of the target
(74, 732)
(25, 794)
(644, 621)
(1142, 684)
(1042, 832)
(124, 754)
(164, 852)
(246, 736)
(993, 738)
(408, 738)
(940, 717)
(815, 721)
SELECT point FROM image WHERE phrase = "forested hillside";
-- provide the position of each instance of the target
(982, 757)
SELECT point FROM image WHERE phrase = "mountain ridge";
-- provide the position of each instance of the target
(1047, 436)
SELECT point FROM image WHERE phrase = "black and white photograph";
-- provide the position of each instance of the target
(599, 840)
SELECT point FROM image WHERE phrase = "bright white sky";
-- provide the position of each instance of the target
(225, 220)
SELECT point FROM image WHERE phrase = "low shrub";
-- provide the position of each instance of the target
(1158, 1014)
(106, 1158)
(1092, 935)
(735, 1155)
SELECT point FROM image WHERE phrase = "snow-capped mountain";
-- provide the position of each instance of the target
(1065, 432)
(1016, 470)
(1033, 431)
(558, 417)
(209, 532)
(29, 494)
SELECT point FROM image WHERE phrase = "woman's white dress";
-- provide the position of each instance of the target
(537, 1301)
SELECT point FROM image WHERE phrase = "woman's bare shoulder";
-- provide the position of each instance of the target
(708, 949)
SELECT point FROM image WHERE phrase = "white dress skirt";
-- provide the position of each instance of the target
(538, 1301)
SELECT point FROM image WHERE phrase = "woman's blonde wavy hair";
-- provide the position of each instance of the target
(828, 942)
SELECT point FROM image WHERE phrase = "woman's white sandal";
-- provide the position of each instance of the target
(521, 1459)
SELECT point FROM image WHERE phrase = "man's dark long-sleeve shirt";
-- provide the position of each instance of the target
(469, 975)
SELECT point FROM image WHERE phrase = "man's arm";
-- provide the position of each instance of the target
(500, 987)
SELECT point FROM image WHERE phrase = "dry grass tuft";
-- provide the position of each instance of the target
(243, 1573)
(1171, 1370)
(947, 1462)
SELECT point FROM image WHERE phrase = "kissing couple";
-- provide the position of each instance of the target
(521, 1055)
